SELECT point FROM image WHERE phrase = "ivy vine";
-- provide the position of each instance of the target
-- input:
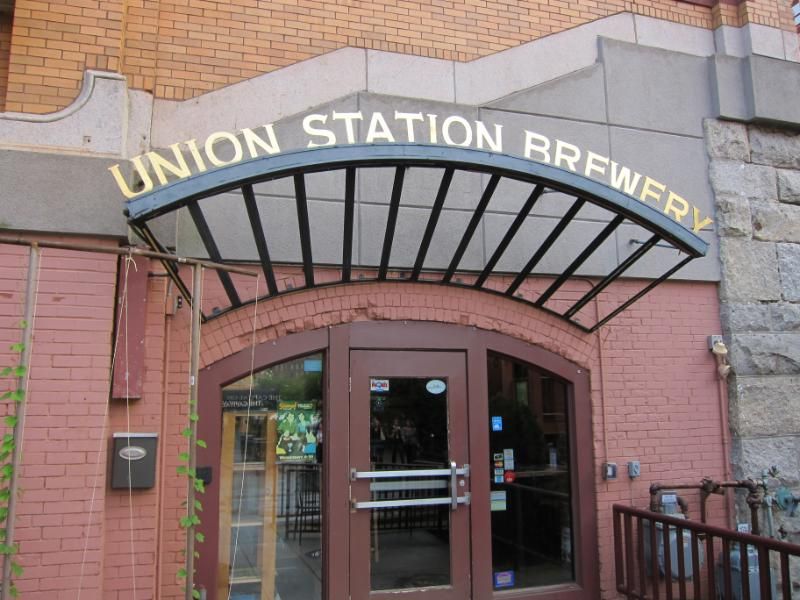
(8, 445)
(191, 520)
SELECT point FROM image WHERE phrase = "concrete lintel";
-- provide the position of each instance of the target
(263, 99)
(94, 123)
(410, 76)
(498, 75)
(658, 33)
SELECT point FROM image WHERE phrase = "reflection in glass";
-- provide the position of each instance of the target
(530, 483)
(270, 509)
(410, 546)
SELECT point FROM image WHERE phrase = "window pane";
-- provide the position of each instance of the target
(271, 474)
(530, 486)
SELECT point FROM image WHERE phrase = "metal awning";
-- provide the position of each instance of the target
(293, 169)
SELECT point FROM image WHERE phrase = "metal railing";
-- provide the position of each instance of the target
(659, 556)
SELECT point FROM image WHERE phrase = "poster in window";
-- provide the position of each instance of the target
(298, 432)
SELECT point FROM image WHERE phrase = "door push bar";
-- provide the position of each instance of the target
(453, 500)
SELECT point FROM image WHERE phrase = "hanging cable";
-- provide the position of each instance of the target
(246, 440)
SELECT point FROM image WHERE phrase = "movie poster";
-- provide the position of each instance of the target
(298, 432)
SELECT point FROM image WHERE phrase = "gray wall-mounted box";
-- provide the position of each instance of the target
(133, 455)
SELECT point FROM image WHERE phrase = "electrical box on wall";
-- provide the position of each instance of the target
(609, 471)
(133, 460)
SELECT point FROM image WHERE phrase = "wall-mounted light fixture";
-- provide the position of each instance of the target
(720, 352)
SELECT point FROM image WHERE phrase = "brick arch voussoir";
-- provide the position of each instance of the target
(348, 303)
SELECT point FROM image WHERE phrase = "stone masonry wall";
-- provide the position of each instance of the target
(755, 174)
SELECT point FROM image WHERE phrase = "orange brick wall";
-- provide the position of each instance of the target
(182, 49)
(5, 47)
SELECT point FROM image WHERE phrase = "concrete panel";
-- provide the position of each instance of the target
(586, 136)
(764, 41)
(410, 76)
(411, 223)
(534, 231)
(657, 33)
(547, 58)
(449, 231)
(681, 164)
(140, 116)
(731, 94)
(263, 99)
(660, 259)
(775, 84)
(579, 95)
(188, 241)
(94, 123)
(791, 46)
(656, 89)
(730, 41)
(227, 218)
(59, 193)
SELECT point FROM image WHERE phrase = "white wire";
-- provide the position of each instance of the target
(128, 261)
(123, 306)
(246, 440)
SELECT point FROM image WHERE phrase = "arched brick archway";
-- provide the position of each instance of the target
(337, 305)
(376, 315)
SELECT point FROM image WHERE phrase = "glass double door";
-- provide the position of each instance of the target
(409, 476)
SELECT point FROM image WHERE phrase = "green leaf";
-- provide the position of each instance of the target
(196, 594)
(23, 324)
(185, 522)
(199, 486)
(198, 505)
(199, 537)
(6, 471)
(186, 432)
(202, 443)
(13, 591)
(182, 470)
(194, 417)
(19, 371)
(6, 371)
(184, 456)
(16, 569)
(181, 573)
(19, 347)
(11, 420)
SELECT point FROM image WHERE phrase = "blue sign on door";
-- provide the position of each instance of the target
(497, 423)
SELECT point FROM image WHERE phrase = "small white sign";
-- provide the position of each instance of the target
(436, 386)
(378, 385)
(498, 500)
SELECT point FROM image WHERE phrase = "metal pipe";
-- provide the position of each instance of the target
(19, 426)
(20, 241)
(194, 367)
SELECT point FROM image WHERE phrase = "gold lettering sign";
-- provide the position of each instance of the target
(222, 148)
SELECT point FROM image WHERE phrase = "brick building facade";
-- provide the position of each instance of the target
(687, 107)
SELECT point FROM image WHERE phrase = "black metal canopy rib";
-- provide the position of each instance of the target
(295, 167)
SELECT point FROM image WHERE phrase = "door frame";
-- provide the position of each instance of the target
(423, 364)
(337, 342)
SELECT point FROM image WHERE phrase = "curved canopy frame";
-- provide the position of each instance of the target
(295, 166)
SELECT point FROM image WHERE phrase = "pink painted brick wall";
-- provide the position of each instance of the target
(63, 438)
(655, 399)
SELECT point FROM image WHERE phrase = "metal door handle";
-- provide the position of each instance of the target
(452, 473)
